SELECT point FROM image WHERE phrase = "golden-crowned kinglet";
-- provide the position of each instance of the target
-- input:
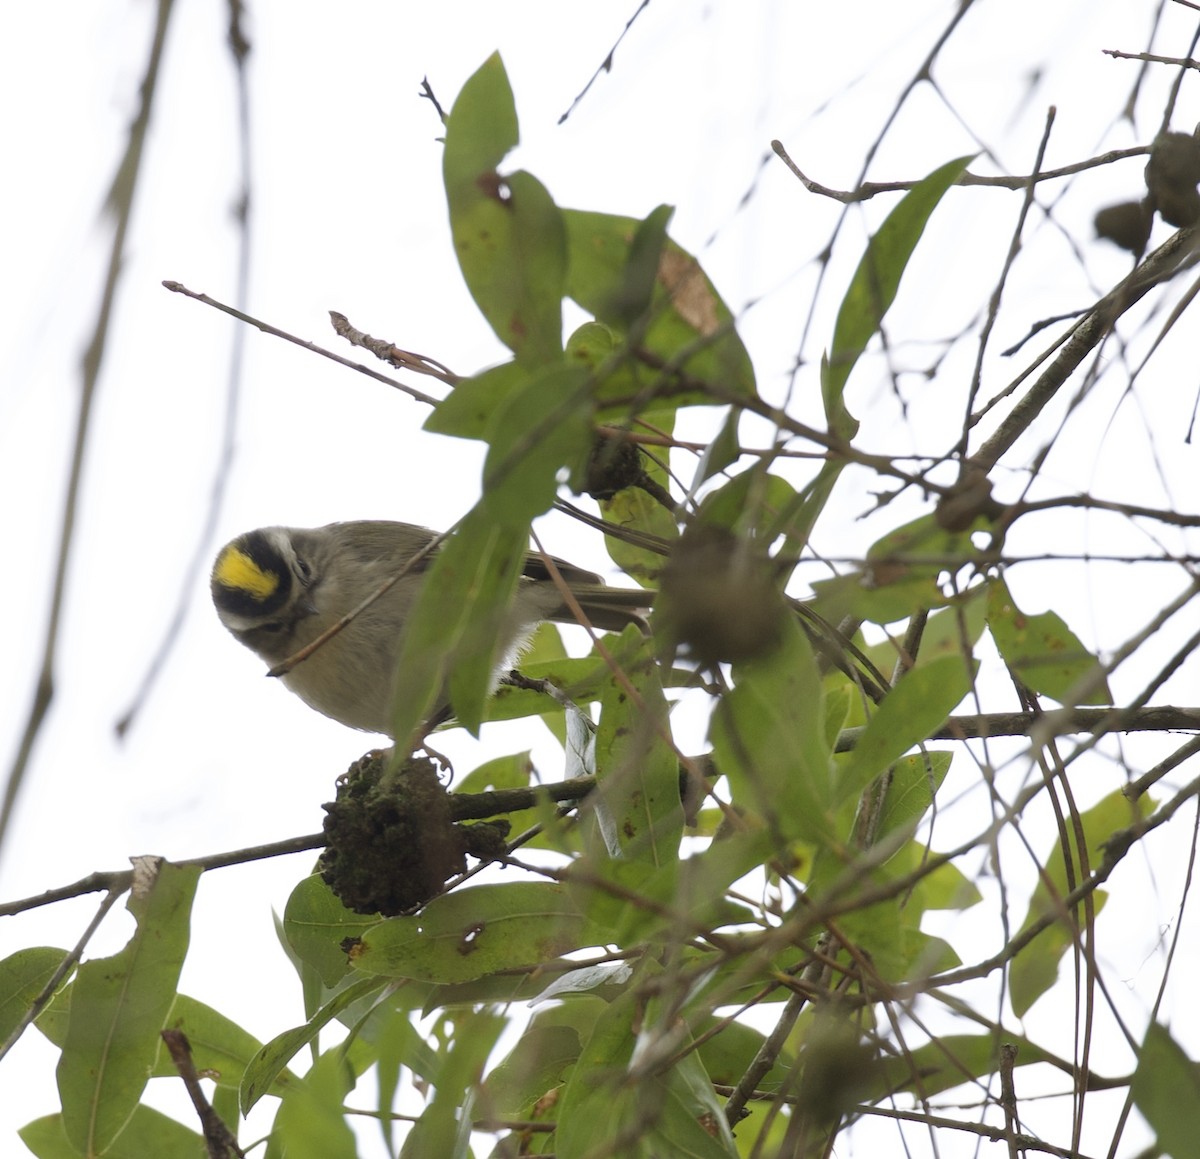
(278, 588)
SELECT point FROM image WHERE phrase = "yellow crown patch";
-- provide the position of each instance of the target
(235, 569)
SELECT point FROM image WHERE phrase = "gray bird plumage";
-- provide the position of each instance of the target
(278, 588)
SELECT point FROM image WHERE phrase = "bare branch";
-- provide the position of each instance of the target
(275, 332)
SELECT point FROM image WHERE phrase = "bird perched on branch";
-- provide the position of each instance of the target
(278, 589)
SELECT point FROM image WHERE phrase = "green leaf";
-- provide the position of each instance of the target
(389, 1028)
(312, 989)
(470, 408)
(636, 800)
(266, 1066)
(311, 1123)
(221, 1049)
(1043, 653)
(878, 932)
(118, 1007)
(316, 924)
(148, 1132)
(687, 324)
(395, 1040)
(956, 629)
(873, 288)
(469, 585)
(945, 887)
(1166, 1089)
(768, 734)
(616, 379)
(901, 575)
(463, 613)
(753, 502)
(924, 954)
(444, 1127)
(915, 781)
(632, 299)
(491, 589)
(728, 1054)
(921, 548)
(508, 233)
(486, 126)
(916, 706)
(1035, 969)
(581, 679)
(508, 772)
(654, 1114)
(722, 452)
(23, 976)
(951, 631)
(632, 509)
(800, 516)
(474, 931)
(538, 429)
(949, 1061)
(685, 895)
(534, 1066)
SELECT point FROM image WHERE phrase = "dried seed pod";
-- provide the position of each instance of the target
(720, 599)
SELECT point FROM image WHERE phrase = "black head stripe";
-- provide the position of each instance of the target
(251, 578)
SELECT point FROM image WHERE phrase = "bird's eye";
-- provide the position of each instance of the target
(303, 571)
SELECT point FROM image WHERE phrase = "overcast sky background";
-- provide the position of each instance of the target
(348, 214)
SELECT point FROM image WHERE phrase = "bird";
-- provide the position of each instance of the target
(276, 589)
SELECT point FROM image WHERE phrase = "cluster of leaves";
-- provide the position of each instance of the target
(655, 943)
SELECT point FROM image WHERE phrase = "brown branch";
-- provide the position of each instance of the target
(1176, 252)
(1174, 518)
(1150, 58)
(871, 189)
(1014, 248)
(1115, 849)
(388, 352)
(472, 806)
(1156, 718)
(468, 806)
(219, 1140)
(119, 880)
(63, 968)
(426, 94)
(275, 332)
(994, 1134)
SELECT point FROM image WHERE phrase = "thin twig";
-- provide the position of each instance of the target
(1014, 248)
(275, 332)
(120, 880)
(64, 967)
(240, 50)
(607, 62)
(869, 189)
(388, 352)
(1174, 254)
(426, 94)
(1149, 57)
(219, 1140)
(120, 203)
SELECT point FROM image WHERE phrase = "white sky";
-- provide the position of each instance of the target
(348, 214)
